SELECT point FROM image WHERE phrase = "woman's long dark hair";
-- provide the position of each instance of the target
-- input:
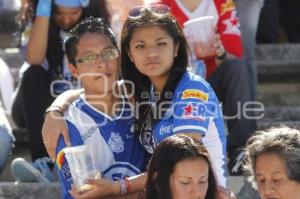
(55, 53)
(142, 83)
(169, 152)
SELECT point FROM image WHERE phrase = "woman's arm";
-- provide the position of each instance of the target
(107, 189)
(54, 124)
(66, 98)
(38, 40)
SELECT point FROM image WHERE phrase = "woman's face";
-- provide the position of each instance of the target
(272, 180)
(189, 179)
(66, 17)
(152, 50)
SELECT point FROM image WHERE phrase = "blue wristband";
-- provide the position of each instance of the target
(44, 8)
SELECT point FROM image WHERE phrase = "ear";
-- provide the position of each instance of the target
(73, 70)
(129, 55)
(176, 47)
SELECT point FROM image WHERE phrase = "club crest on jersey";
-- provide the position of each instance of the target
(194, 94)
(120, 170)
(116, 143)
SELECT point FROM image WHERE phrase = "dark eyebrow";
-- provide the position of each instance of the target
(158, 39)
(162, 38)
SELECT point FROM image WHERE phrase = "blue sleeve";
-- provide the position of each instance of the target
(193, 108)
(64, 173)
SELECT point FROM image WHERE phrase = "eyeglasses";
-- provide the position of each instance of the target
(106, 55)
(160, 9)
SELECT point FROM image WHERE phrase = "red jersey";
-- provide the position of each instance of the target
(226, 22)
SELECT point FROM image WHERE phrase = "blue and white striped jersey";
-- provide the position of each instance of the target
(194, 109)
(115, 149)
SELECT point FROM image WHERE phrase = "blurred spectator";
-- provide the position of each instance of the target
(6, 136)
(227, 73)
(273, 162)
(267, 31)
(119, 11)
(277, 13)
(248, 13)
(48, 74)
(290, 18)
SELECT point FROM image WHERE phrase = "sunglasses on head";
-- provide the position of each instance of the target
(159, 9)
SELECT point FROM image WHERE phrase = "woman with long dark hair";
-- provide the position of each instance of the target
(47, 75)
(180, 168)
(168, 99)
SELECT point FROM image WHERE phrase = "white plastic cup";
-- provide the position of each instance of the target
(82, 166)
(200, 35)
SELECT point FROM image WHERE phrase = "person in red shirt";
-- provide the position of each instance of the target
(227, 73)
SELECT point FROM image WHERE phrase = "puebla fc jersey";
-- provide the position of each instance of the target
(194, 109)
(115, 149)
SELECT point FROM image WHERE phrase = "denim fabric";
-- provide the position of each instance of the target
(6, 141)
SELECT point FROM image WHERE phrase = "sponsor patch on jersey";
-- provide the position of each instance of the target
(190, 112)
(227, 6)
(165, 129)
(195, 94)
(62, 165)
(89, 133)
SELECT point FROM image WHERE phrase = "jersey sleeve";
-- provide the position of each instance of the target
(193, 109)
(64, 173)
(229, 27)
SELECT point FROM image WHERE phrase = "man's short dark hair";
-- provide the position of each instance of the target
(87, 25)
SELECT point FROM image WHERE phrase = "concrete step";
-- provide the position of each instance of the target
(283, 52)
(291, 113)
(279, 93)
(265, 124)
(21, 150)
(279, 62)
(11, 190)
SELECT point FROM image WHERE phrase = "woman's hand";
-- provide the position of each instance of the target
(101, 188)
(54, 126)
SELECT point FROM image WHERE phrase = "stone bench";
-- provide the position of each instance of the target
(11, 190)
